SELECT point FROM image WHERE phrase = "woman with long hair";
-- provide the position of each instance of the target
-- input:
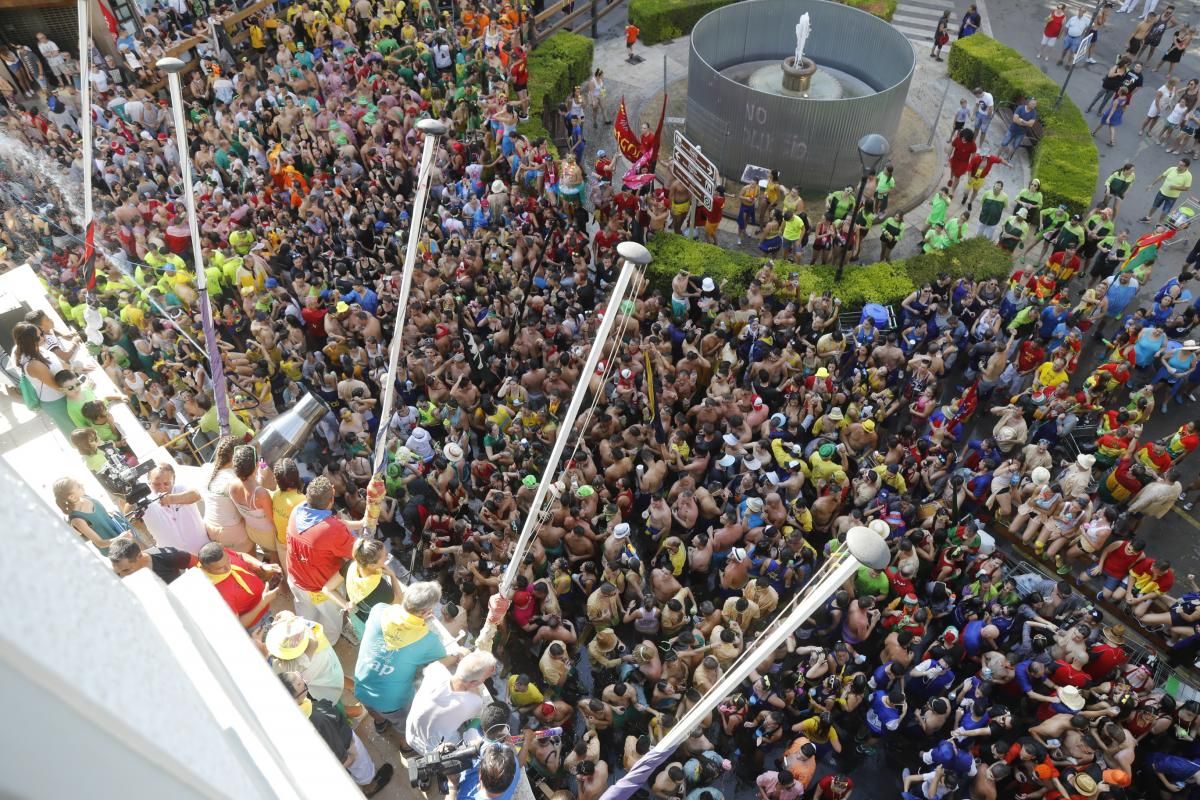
(222, 519)
(369, 581)
(90, 520)
(253, 501)
(39, 366)
(288, 493)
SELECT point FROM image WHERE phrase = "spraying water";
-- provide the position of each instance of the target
(20, 159)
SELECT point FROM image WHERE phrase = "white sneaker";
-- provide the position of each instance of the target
(1091, 61)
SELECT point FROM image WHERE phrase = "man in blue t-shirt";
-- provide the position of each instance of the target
(1176, 771)
(495, 777)
(887, 711)
(1023, 119)
(396, 644)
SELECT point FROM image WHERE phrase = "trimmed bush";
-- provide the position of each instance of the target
(884, 9)
(673, 252)
(885, 282)
(976, 257)
(1065, 160)
(662, 20)
(556, 67)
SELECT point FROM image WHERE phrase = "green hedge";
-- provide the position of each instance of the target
(1065, 160)
(885, 282)
(556, 67)
(662, 20)
(673, 252)
(884, 9)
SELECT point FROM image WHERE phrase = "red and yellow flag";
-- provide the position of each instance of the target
(627, 141)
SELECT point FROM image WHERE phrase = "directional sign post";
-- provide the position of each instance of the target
(695, 170)
(1079, 55)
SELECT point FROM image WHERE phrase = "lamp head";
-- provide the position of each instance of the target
(431, 127)
(170, 65)
(872, 149)
(632, 251)
(867, 546)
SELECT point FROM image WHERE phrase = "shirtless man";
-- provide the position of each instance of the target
(861, 619)
(681, 203)
(984, 785)
(860, 437)
(736, 573)
(1057, 726)
(592, 778)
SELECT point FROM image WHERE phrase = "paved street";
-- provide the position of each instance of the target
(1177, 536)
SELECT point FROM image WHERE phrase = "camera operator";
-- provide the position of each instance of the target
(174, 519)
(445, 704)
(496, 773)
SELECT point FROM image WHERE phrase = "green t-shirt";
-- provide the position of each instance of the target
(865, 585)
(793, 229)
(1175, 183)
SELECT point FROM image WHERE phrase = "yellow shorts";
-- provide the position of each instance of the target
(975, 183)
(680, 208)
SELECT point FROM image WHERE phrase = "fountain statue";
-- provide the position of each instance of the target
(798, 70)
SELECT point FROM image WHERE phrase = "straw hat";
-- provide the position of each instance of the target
(1070, 697)
(1040, 476)
(288, 638)
(1115, 634)
(754, 504)
(453, 452)
(1085, 460)
(1085, 784)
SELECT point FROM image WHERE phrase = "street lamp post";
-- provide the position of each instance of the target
(216, 371)
(872, 150)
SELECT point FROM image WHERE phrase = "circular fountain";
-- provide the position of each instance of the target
(792, 85)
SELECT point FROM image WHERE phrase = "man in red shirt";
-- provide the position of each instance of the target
(1030, 355)
(1064, 264)
(1115, 562)
(313, 315)
(318, 543)
(241, 581)
(978, 168)
(1108, 654)
(712, 216)
(834, 787)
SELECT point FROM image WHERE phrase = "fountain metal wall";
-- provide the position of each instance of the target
(812, 142)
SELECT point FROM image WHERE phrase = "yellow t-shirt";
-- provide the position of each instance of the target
(282, 503)
(1047, 375)
(809, 728)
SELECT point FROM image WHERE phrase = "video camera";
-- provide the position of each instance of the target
(422, 772)
(122, 480)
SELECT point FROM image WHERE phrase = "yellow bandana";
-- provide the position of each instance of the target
(358, 585)
(402, 629)
(236, 573)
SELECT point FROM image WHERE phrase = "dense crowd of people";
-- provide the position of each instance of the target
(730, 443)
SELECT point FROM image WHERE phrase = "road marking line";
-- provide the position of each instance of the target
(915, 34)
(931, 21)
(1195, 523)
